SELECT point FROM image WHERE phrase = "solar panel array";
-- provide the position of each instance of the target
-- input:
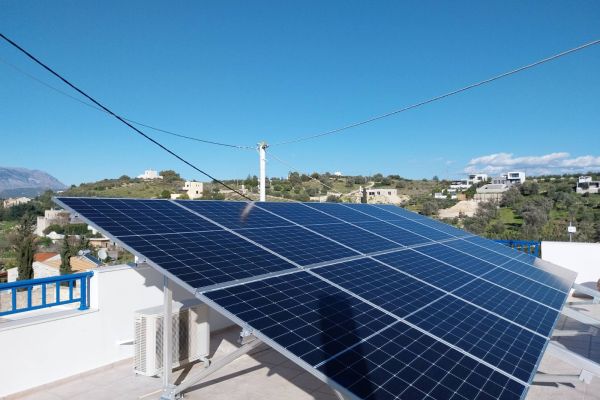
(383, 302)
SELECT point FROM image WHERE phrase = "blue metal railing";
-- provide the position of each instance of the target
(527, 246)
(67, 280)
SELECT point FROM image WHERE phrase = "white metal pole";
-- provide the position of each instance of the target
(262, 147)
(167, 340)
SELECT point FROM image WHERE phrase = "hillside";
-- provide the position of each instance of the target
(26, 182)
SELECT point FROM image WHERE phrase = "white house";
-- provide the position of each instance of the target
(476, 178)
(585, 184)
(460, 185)
(52, 216)
(192, 188)
(150, 174)
(515, 177)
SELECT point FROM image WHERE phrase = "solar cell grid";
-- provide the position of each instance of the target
(234, 215)
(480, 252)
(512, 306)
(389, 289)
(496, 341)
(123, 217)
(426, 269)
(344, 213)
(393, 233)
(494, 246)
(305, 315)
(457, 259)
(528, 288)
(354, 237)
(376, 212)
(207, 258)
(420, 229)
(537, 275)
(299, 213)
(298, 244)
(403, 363)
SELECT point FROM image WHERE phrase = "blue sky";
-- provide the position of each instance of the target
(241, 72)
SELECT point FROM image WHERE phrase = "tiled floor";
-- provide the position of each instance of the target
(264, 374)
(261, 374)
(581, 342)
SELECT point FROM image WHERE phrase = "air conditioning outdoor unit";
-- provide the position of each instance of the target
(190, 333)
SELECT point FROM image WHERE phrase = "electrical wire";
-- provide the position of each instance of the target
(106, 109)
(85, 103)
(433, 99)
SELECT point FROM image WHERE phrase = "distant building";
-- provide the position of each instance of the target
(514, 177)
(585, 184)
(15, 201)
(476, 178)
(442, 196)
(150, 174)
(491, 192)
(51, 217)
(460, 185)
(510, 178)
(382, 195)
(193, 190)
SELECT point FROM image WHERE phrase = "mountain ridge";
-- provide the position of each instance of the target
(23, 181)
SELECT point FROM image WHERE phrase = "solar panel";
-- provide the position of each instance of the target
(398, 235)
(234, 214)
(344, 213)
(427, 269)
(206, 258)
(489, 338)
(385, 303)
(392, 290)
(356, 345)
(403, 363)
(303, 314)
(122, 217)
(298, 244)
(355, 237)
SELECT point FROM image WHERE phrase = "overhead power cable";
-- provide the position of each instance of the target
(85, 103)
(106, 109)
(440, 97)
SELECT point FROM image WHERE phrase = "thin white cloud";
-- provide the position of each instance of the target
(559, 162)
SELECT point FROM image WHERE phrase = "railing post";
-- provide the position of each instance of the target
(83, 294)
(14, 298)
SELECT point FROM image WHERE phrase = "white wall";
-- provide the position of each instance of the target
(42, 349)
(583, 258)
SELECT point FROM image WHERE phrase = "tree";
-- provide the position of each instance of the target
(430, 208)
(65, 257)
(23, 242)
(529, 188)
(435, 178)
(333, 199)
(511, 198)
(165, 194)
(169, 175)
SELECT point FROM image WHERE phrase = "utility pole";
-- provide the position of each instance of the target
(262, 151)
(571, 229)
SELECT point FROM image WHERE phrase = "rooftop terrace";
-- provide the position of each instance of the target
(266, 374)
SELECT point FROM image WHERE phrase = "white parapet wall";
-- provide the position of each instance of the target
(54, 344)
(583, 258)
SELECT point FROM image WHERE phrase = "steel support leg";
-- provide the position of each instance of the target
(168, 392)
(217, 365)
